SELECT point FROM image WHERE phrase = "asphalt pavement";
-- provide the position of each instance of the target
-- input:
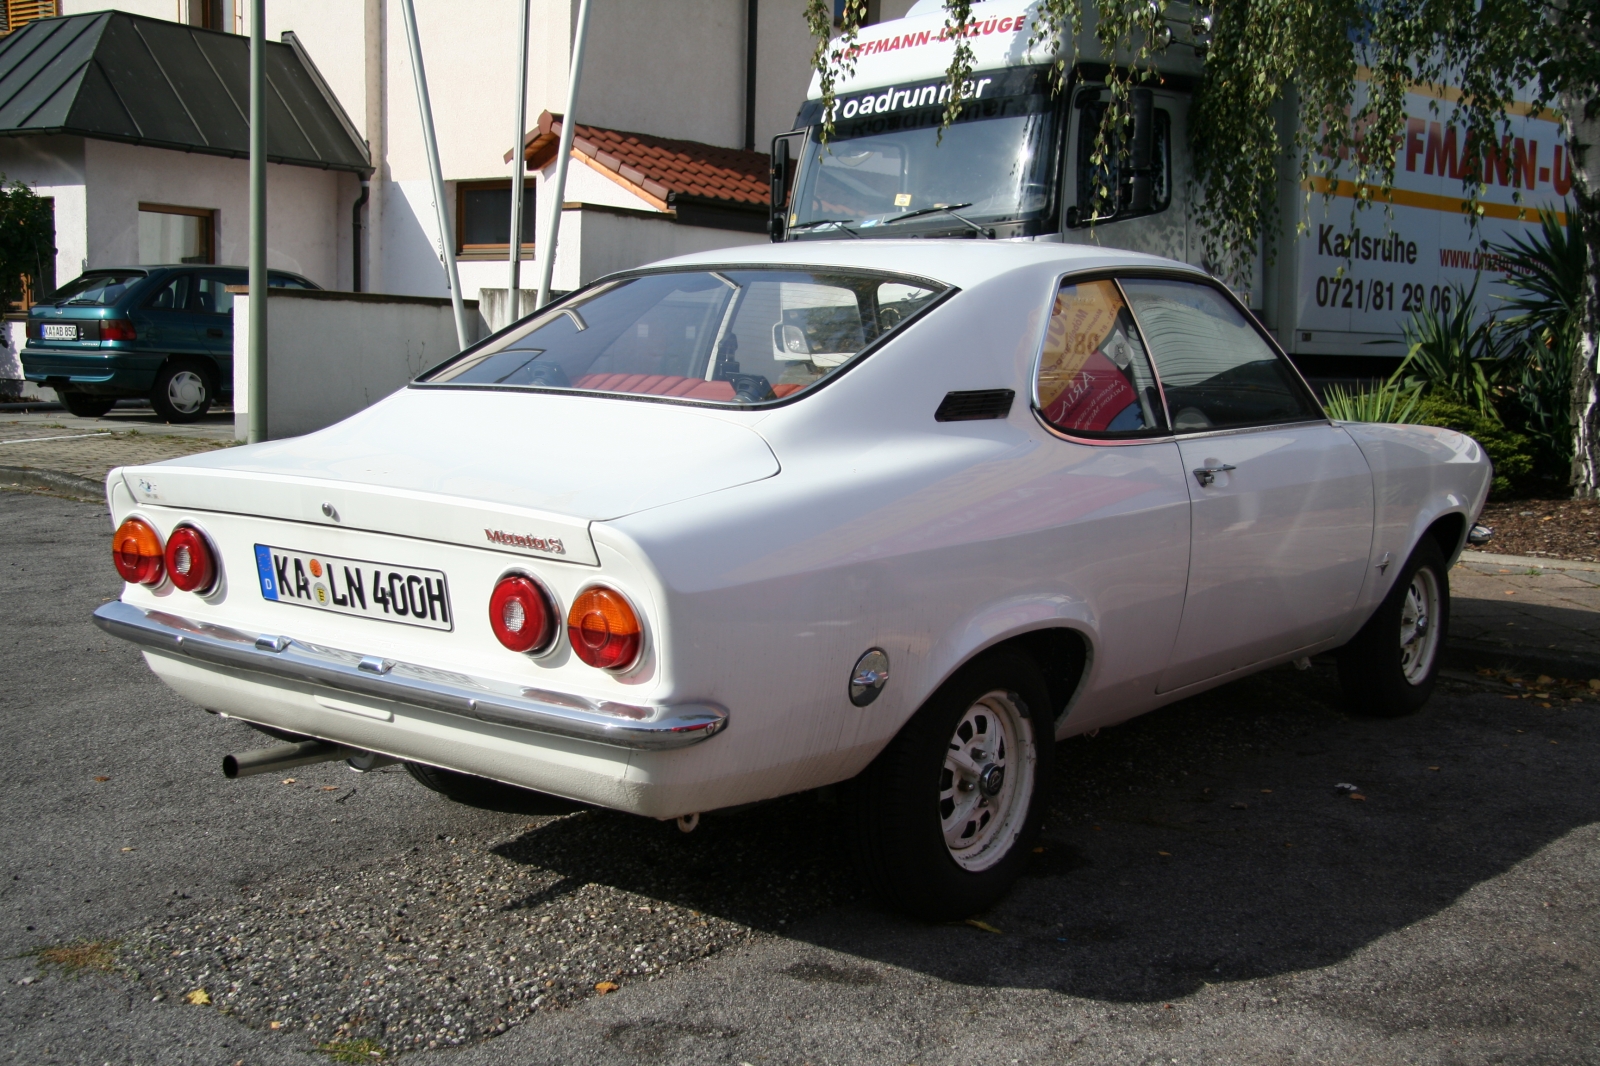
(1205, 893)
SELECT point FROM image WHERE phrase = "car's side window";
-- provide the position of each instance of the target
(1216, 370)
(211, 292)
(1094, 376)
(173, 296)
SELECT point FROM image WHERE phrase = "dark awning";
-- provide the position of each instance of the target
(119, 77)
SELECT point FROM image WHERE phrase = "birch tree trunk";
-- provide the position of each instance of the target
(1583, 134)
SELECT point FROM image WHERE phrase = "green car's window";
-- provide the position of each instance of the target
(98, 289)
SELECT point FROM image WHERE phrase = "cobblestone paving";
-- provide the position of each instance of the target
(1495, 601)
(89, 448)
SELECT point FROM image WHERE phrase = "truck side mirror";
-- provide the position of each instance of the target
(1141, 182)
(779, 172)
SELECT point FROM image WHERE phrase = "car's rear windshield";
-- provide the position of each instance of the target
(99, 289)
(737, 336)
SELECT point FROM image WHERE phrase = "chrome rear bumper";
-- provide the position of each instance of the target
(653, 727)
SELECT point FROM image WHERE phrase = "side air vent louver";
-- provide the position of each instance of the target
(972, 406)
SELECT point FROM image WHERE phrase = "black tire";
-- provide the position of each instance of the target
(85, 405)
(183, 391)
(1383, 673)
(477, 791)
(903, 799)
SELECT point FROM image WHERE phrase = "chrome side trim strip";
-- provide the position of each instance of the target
(648, 727)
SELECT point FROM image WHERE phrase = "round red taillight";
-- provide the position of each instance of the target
(190, 561)
(520, 614)
(603, 629)
(136, 549)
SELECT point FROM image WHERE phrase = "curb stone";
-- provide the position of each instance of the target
(1530, 561)
(78, 488)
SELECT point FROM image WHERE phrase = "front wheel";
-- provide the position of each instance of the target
(946, 814)
(1389, 669)
(182, 393)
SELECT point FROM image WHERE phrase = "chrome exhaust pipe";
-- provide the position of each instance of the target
(281, 757)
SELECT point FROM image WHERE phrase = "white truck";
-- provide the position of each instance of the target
(1017, 165)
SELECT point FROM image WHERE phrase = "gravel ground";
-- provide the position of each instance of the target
(450, 943)
(1558, 529)
(1205, 892)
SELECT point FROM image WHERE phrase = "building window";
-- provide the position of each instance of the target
(483, 219)
(212, 14)
(14, 14)
(170, 234)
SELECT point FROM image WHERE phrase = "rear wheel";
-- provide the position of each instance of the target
(947, 813)
(1389, 669)
(85, 405)
(183, 392)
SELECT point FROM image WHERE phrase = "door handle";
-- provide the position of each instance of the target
(1207, 475)
(214, 333)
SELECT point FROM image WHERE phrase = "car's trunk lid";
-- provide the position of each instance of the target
(519, 471)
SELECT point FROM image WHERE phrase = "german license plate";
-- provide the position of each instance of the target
(60, 331)
(388, 593)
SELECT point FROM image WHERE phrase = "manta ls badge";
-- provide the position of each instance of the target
(552, 545)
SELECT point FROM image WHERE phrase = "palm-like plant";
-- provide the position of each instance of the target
(1547, 271)
(1451, 351)
(1392, 401)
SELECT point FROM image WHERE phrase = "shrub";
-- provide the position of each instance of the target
(1510, 451)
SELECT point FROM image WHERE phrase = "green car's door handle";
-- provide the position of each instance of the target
(215, 333)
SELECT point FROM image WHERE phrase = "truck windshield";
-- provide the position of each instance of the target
(887, 159)
(737, 336)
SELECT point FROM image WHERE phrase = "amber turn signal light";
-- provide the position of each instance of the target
(136, 550)
(603, 629)
(191, 563)
(520, 614)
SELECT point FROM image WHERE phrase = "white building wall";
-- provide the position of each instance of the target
(53, 166)
(303, 225)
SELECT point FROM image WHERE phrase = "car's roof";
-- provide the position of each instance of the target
(963, 263)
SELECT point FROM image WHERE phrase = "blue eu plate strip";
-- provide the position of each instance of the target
(269, 587)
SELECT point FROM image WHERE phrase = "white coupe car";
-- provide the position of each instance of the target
(760, 520)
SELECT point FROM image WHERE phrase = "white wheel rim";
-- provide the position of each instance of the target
(1419, 626)
(186, 392)
(987, 781)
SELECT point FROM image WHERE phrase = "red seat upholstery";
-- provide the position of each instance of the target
(657, 385)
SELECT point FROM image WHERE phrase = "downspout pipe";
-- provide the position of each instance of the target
(564, 153)
(752, 9)
(447, 240)
(355, 235)
(519, 169)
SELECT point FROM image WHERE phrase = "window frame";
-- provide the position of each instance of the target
(471, 252)
(1116, 274)
(207, 213)
(945, 291)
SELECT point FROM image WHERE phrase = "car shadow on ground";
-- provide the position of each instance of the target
(1531, 627)
(1202, 843)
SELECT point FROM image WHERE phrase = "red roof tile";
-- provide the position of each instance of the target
(659, 166)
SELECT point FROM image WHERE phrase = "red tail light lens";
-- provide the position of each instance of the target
(136, 549)
(116, 329)
(603, 629)
(520, 614)
(191, 563)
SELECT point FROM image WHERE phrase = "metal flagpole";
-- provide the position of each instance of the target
(519, 168)
(256, 353)
(446, 239)
(564, 153)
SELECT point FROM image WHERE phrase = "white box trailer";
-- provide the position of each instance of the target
(1017, 166)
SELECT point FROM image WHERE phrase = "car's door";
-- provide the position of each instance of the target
(1281, 499)
(214, 304)
(168, 322)
(1114, 487)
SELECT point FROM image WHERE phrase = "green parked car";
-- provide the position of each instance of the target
(162, 332)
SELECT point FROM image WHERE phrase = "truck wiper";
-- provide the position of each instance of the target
(838, 223)
(948, 209)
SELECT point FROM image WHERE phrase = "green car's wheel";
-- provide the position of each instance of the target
(183, 391)
(85, 405)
